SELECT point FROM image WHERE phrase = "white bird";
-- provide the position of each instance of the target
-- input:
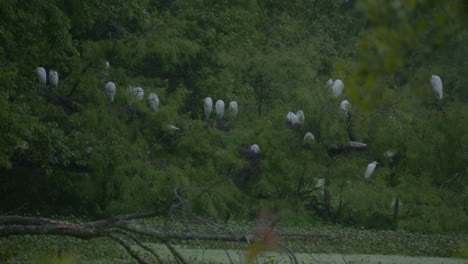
(292, 119)
(345, 106)
(89, 150)
(255, 148)
(208, 106)
(300, 116)
(219, 109)
(153, 101)
(437, 86)
(337, 87)
(110, 90)
(320, 182)
(41, 75)
(172, 127)
(140, 93)
(23, 146)
(393, 202)
(389, 154)
(233, 110)
(330, 83)
(105, 72)
(53, 78)
(370, 169)
(309, 136)
(357, 144)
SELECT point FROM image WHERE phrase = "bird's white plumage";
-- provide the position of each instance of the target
(219, 109)
(337, 87)
(173, 128)
(437, 86)
(389, 154)
(357, 144)
(300, 116)
(107, 64)
(255, 148)
(292, 119)
(140, 93)
(89, 150)
(320, 182)
(370, 169)
(53, 78)
(330, 83)
(153, 101)
(109, 90)
(309, 136)
(233, 109)
(208, 106)
(41, 75)
(345, 106)
(393, 202)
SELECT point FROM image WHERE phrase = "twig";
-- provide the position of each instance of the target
(128, 247)
(16, 210)
(174, 252)
(136, 240)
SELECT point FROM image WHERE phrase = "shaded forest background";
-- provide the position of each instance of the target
(70, 151)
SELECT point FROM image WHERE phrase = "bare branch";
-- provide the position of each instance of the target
(129, 248)
(175, 253)
(136, 240)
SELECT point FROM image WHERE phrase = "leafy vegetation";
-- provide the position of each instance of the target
(70, 151)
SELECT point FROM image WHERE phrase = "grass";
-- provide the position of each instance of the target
(32, 249)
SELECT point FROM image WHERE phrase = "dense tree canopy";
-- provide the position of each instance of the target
(71, 150)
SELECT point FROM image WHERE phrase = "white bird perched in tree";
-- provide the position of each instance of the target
(255, 148)
(292, 119)
(309, 136)
(140, 93)
(337, 87)
(393, 203)
(370, 169)
(345, 106)
(208, 106)
(233, 110)
(219, 109)
(330, 83)
(357, 144)
(53, 78)
(105, 72)
(389, 154)
(89, 150)
(437, 86)
(300, 116)
(153, 101)
(173, 128)
(41, 75)
(109, 90)
(320, 185)
(320, 182)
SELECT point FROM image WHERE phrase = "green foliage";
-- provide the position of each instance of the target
(72, 151)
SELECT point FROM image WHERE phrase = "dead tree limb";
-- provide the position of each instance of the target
(126, 229)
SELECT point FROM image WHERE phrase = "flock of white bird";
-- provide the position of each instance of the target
(337, 87)
(294, 120)
(42, 76)
(219, 107)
